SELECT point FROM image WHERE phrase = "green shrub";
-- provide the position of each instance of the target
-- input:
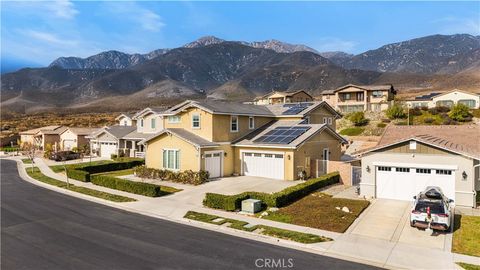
(433, 111)
(354, 131)
(381, 125)
(449, 121)
(113, 156)
(424, 108)
(386, 120)
(475, 113)
(277, 199)
(401, 123)
(428, 120)
(184, 177)
(443, 109)
(396, 112)
(460, 112)
(78, 175)
(358, 118)
(415, 111)
(140, 188)
(9, 149)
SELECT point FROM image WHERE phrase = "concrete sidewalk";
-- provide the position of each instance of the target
(359, 248)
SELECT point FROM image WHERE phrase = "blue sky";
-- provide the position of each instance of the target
(35, 33)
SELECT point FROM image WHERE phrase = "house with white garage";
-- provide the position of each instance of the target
(409, 158)
(74, 137)
(448, 99)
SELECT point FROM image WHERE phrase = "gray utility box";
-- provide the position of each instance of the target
(251, 206)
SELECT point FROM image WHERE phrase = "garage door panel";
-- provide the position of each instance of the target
(392, 184)
(269, 165)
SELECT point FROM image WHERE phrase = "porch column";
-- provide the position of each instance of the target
(134, 147)
(365, 99)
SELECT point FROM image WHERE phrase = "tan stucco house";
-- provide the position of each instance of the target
(73, 137)
(353, 98)
(277, 97)
(448, 99)
(407, 159)
(43, 136)
(275, 141)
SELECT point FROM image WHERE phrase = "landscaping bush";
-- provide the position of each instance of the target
(415, 111)
(113, 156)
(476, 113)
(424, 108)
(9, 149)
(78, 175)
(358, 118)
(401, 123)
(184, 177)
(381, 125)
(448, 121)
(443, 109)
(140, 188)
(277, 199)
(83, 172)
(396, 112)
(386, 120)
(428, 120)
(433, 111)
(460, 112)
(354, 131)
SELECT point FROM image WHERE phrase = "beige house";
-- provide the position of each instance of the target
(48, 135)
(75, 137)
(407, 159)
(277, 97)
(273, 141)
(448, 99)
(353, 98)
(126, 119)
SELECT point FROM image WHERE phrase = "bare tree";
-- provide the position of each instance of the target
(30, 150)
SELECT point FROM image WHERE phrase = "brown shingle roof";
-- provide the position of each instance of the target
(462, 139)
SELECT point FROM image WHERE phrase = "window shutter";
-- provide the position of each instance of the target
(177, 160)
(164, 159)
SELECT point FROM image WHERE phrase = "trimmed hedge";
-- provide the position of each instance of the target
(83, 173)
(277, 199)
(184, 177)
(139, 188)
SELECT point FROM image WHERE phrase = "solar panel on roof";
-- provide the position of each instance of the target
(296, 108)
(282, 135)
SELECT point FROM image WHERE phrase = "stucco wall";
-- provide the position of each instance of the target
(147, 123)
(463, 188)
(27, 138)
(221, 127)
(189, 155)
(70, 136)
(205, 130)
(456, 96)
(317, 115)
(125, 121)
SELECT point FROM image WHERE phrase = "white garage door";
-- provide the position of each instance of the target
(68, 144)
(269, 165)
(213, 164)
(107, 149)
(402, 183)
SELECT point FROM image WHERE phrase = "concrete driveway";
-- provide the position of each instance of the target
(390, 220)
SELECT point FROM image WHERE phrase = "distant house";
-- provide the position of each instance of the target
(277, 97)
(73, 137)
(353, 98)
(448, 99)
(407, 159)
(43, 136)
(126, 119)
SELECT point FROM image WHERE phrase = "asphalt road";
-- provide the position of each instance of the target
(43, 229)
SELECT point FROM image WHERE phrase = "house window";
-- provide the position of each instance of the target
(330, 120)
(425, 171)
(125, 122)
(171, 159)
(234, 123)
(141, 122)
(360, 96)
(402, 169)
(347, 96)
(385, 169)
(413, 145)
(153, 123)
(377, 94)
(444, 172)
(174, 119)
(468, 102)
(251, 122)
(195, 121)
(325, 120)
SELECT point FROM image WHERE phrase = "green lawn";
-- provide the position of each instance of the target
(468, 266)
(318, 210)
(352, 131)
(117, 173)
(26, 161)
(420, 119)
(91, 192)
(305, 238)
(60, 168)
(466, 237)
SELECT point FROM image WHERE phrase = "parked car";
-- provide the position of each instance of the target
(431, 206)
(64, 155)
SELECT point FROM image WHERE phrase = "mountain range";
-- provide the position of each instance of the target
(236, 70)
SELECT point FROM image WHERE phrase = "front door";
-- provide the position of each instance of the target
(213, 164)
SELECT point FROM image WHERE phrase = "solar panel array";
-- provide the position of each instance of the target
(295, 108)
(426, 97)
(282, 135)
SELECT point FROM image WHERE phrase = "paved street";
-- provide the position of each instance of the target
(42, 229)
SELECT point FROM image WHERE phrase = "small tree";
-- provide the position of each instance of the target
(30, 150)
(460, 112)
(358, 119)
(396, 112)
(47, 151)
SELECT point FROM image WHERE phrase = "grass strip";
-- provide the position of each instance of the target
(26, 161)
(468, 266)
(265, 230)
(117, 173)
(38, 175)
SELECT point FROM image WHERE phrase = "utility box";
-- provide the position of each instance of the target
(251, 206)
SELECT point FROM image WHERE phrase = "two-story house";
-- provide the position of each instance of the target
(277, 141)
(353, 98)
(277, 97)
